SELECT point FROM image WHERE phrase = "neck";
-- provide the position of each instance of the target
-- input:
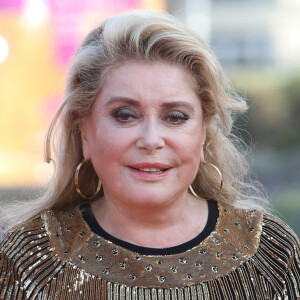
(155, 225)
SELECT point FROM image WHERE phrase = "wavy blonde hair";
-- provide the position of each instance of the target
(144, 36)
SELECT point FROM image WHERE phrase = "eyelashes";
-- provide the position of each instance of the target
(176, 117)
(124, 115)
(128, 116)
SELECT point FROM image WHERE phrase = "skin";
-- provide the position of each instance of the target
(147, 113)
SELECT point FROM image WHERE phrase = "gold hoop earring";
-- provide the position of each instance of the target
(193, 192)
(221, 183)
(76, 179)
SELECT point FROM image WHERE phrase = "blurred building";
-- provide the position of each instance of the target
(246, 32)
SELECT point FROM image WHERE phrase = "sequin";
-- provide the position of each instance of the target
(115, 251)
(198, 264)
(202, 251)
(105, 271)
(82, 258)
(189, 276)
(71, 215)
(160, 262)
(226, 230)
(251, 229)
(161, 278)
(137, 257)
(82, 233)
(66, 251)
(99, 257)
(132, 277)
(216, 241)
(174, 269)
(69, 228)
(97, 244)
(148, 268)
(182, 260)
(123, 265)
(237, 223)
(246, 247)
(235, 256)
(215, 269)
(218, 255)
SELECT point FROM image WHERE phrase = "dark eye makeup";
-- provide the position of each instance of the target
(176, 117)
(127, 115)
(124, 114)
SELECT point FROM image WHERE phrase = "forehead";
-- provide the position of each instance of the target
(149, 79)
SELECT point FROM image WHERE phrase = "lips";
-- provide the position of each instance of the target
(150, 168)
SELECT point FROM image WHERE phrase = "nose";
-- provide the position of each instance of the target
(150, 137)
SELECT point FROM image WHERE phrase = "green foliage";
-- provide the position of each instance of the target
(288, 207)
(274, 108)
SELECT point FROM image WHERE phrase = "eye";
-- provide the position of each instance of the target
(124, 115)
(176, 117)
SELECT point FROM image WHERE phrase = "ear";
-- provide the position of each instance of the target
(84, 139)
(203, 138)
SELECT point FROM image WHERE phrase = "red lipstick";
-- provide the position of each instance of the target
(150, 165)
(149, 171)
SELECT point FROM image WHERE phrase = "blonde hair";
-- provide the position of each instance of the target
(145, 36)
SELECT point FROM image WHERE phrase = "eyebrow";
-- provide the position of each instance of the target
(174, 104)
(166, 105)
(122, 100)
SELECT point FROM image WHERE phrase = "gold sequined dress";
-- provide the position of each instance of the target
(56, 255)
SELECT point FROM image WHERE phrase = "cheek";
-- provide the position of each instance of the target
(188, 146)
(191, 154)
(188, 155)
(110, 145)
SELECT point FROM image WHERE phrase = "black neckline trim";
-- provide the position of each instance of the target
(213, 214)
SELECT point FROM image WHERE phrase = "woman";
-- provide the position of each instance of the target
(155, 210)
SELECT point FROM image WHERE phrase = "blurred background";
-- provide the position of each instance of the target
(256, 41)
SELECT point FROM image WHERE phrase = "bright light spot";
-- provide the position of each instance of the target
(35, 13)
(3, 49)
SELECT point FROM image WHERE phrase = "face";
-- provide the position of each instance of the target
(145, 134)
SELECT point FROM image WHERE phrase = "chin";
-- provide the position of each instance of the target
(149, 198)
